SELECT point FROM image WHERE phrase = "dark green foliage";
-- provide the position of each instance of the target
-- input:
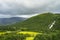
(57, 24)
(51, 36)
(13, 36)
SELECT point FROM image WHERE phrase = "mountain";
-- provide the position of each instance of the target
(38, 23)
(4, 21)
(47, 25)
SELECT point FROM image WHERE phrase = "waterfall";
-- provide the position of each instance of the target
(52, 24)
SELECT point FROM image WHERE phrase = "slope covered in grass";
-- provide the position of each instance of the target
(37, 23)
(40, 24)
(57, 24)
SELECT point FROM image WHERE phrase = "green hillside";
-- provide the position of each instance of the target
(37, 23)
(41, 27)
(57, 24)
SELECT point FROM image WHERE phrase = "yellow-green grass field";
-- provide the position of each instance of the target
(31, 37)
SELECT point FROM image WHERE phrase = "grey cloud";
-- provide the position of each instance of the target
(28, 7)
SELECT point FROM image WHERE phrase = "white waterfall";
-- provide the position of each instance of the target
(52, 24)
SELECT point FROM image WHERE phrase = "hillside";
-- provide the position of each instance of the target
(57, 24)
(41, 27)
(40, 22)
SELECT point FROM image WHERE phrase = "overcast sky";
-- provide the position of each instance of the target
(26, 8)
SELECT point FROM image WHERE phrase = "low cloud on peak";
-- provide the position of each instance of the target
(22, 16)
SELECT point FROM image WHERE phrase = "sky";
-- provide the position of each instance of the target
(27, 8)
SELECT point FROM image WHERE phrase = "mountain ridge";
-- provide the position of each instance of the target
(35, 23)
(5, 21)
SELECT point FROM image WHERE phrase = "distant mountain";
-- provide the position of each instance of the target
(11, 20)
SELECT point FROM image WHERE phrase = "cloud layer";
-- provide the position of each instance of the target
(28, 7)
